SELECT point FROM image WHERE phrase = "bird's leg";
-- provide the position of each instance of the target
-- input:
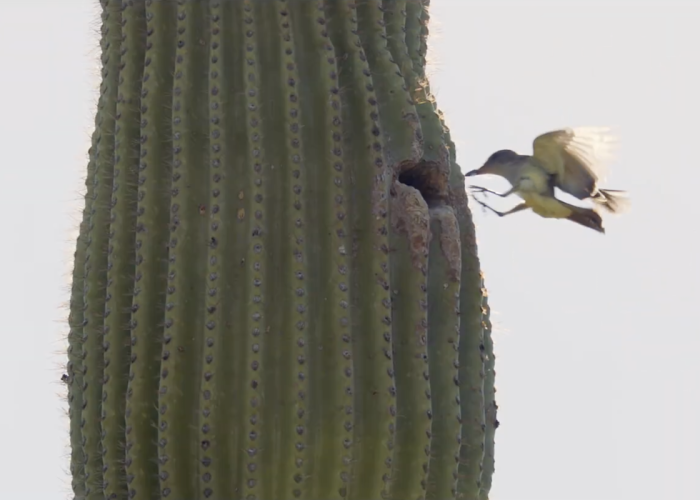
(516, 208)
(513, 210)
(480, 189)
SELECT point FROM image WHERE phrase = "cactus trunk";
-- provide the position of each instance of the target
(276, 292)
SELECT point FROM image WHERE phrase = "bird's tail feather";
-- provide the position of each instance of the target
(612, 200)
(586, 217)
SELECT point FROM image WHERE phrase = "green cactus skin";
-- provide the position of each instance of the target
(276, 291)
(471, 345)
(121, 250)
(490, 403)
(151, 261)
(410, 291)
(374, 408)
(96, 360)
(444, 276)
(75, 339)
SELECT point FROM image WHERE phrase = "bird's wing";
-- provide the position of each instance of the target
(576, 157)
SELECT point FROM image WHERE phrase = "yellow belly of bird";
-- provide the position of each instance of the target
(545, 206)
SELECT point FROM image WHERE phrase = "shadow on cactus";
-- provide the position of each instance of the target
(276, 292)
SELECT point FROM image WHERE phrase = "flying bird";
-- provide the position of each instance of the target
(570, 159)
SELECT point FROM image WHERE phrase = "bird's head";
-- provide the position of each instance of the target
(497, 164)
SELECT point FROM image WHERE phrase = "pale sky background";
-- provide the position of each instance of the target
(597, 337)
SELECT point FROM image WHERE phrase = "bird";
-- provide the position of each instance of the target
(570, 159)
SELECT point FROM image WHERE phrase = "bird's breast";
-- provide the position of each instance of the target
(533, 180)
(545, 206)
(532, 189)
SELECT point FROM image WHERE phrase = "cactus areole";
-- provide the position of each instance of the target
(276, 292)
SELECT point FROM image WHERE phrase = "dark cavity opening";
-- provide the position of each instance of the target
(428, 177)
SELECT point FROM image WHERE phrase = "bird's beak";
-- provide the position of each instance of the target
(472, 173)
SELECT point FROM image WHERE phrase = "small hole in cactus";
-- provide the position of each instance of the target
(428, 177)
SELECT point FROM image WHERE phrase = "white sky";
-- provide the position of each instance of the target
(597, 337)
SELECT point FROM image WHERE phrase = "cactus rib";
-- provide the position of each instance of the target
(409, 239)
(121, 250)
(96, 258)
(182, 360)
(444, 276)
(152, 217)
(330, 353)
(490, 404)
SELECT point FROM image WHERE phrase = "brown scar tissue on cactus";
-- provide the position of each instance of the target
(276, 291)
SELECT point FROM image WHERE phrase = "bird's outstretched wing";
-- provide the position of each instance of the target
(576, 157)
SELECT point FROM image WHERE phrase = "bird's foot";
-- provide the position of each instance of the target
(485, 207)
(484, 191)
(478, 189)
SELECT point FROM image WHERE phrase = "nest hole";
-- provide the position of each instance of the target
(428, 177)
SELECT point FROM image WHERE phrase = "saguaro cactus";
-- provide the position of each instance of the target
(276, 292)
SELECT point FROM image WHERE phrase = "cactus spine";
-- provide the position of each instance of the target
(276, 291)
